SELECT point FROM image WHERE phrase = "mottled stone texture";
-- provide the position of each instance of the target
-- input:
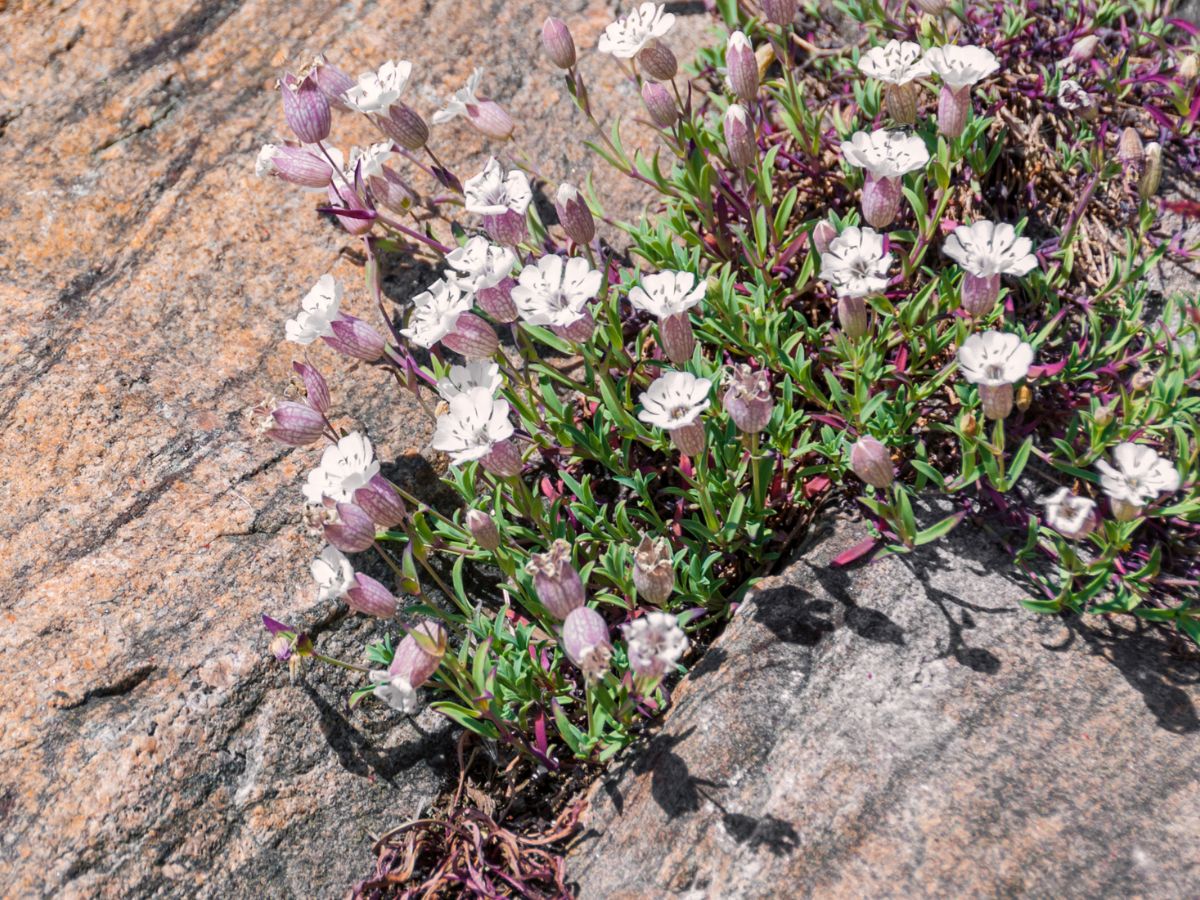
(148, 745)
(904, 729)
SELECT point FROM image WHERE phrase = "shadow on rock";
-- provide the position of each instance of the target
(1147, 660)
(768, 832)
(357, 754)
(793, 615)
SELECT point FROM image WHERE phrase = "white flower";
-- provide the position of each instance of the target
(318, 309)
(263, 163)
(375, 92)
(479, 264)
(625, 37)
(674, 400)
(555, 292)
(1071, 95)
(1072, 517)
(491, 193)
(344, 468)
(667, 293)
(960, 67)
(856, 264)
(1139, 476)
(372, 160)
(985, 249)
(457, 105)
(394, 690)
(474, 423)
(994, 358)
(896, 62)
(333, 574)
(477, 373)
(435, 312)
(655, 643)
(886, 154)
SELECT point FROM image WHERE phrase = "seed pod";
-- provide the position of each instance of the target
(677, 337)
(556, 581)
(379, 500)
(1130, 150)
(371, 598)
(653, 570)
(306, 108)
(690, 439)
(1024, 397)
(503, 460)
(880, 200)
(355, 338)
(585, 640)
(352, 531)
(658, 62)
(901, 100)
(472, 337)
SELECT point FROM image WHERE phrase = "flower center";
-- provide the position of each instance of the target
(994, 372)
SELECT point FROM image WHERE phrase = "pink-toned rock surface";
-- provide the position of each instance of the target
(906, 729)
(148, 744)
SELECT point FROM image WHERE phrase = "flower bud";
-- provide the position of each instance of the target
(392, 191)
(1152, 173)
(352, 531)
(472, 337)
(295, 165)
(355, 338)
(490, 119)
(748, 399)
(739, 137)
(853, 315)
(871, 462)
(306, 108)
(1103, 416)
(901, 100)
(483, 529)
(996, 399)
(289, 423)
(880, 200)
(690, 439)
(742, 67)
(1024, 397)
(419, 653)
(653, 570)
(503, 460)
(678, 339)
(658, 62)
(315, 388)
(1083, 49)
(342, 196)
(497, 301)
(1130, 149)
(403, 125)
(585, 640)
(969, 426)
(281, 647)
(979, 295)
(779, 12)
(578, 332)
(556, 581)
(558, 43)
(379, 500)
(660, 104)
(506, 228)
(823, 234)
(371, 598)
(574, 215)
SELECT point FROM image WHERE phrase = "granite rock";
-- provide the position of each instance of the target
(904, 728)
(150, 746)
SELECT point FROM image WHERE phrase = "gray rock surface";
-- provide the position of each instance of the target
(905, 729)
